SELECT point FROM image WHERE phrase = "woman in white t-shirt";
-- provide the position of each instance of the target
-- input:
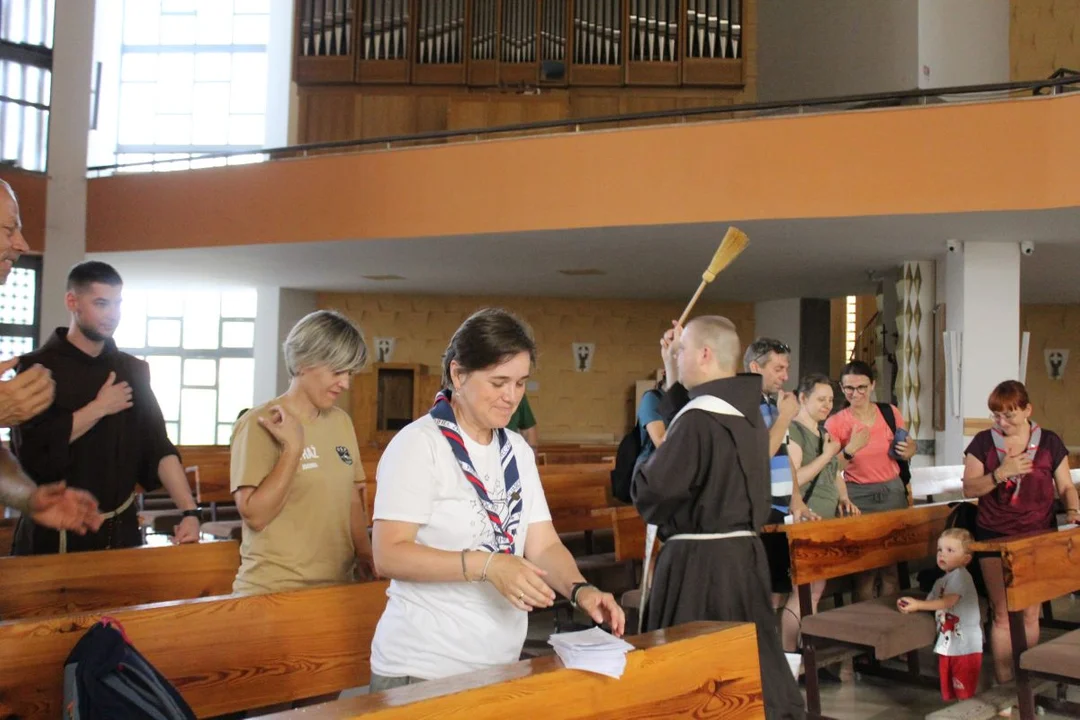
(461, 525)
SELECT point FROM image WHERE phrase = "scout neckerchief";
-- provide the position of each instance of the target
(443, 414)
(1012, 484)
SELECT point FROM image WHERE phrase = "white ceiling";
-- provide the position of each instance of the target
(786, 258)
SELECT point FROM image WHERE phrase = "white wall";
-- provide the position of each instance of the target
(822, 48)
(294, 305)
(963, 42)
(780, 319)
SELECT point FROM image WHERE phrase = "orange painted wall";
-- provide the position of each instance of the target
(30, 189)
(951, 158)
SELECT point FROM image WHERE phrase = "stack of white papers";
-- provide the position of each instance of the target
(593, 651)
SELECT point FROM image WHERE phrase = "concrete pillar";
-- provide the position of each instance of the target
(982, 287)
(69, 127)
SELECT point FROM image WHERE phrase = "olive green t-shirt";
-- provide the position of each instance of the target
(310, 542)
(523, 417)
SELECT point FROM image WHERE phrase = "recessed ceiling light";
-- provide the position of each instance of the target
(382, 277)
(583, 271)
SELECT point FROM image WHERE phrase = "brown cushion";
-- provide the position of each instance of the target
(1060, 656)
(875, 623)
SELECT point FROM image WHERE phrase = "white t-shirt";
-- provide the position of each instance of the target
(960, 628)
(434, 630)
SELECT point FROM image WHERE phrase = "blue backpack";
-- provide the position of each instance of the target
(105, 678)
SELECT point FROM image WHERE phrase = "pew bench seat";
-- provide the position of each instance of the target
(1059, 657)
(876, 624)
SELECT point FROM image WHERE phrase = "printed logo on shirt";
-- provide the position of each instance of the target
(343, 453)
(308, 457)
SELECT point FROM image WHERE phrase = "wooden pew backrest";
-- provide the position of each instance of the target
(223, 654)
(213, 463)
(826, 549)
(1038, 567)
(44, 585)
(694, 670)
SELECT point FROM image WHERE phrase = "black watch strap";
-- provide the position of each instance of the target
(196, 513)
(847, 456)
(575, 589)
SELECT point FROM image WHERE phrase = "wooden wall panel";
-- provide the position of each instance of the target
(327, 115)
(385, 115)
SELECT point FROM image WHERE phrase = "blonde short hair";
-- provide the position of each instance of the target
(719, 335)
(962, 535)
(325, 338)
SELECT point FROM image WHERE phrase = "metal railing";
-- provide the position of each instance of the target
(1062, 81)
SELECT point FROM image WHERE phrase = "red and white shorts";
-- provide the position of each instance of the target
(959, 675)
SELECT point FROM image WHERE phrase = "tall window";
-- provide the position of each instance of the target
(20, 313)
(851, 329)
(26, 38)
(193, 78)
(200, 347)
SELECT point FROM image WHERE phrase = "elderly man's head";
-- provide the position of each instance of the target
(12, 242)
(708, 350)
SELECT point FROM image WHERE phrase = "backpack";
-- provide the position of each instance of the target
(105, 678)
(890, 420)
(626, 456)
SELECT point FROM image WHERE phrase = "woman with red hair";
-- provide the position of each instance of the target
(1014, 468)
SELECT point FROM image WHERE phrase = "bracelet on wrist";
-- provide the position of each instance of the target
(849, 456)
(483, 575)
(464, 572)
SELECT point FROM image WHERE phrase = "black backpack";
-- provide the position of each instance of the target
(625, 459)
(105, 678)
(890, 420)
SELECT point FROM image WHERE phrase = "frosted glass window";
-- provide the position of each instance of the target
(17, 297)
(131, 332)
(201, 321)
(239, 304)
(164, 304)
(251, 6)
(163, 333)
(178, 29)
(142, 22)
(200, 371)
(198, 408)
(215, 22)
(246, 130)
(139, 67)
(173, 431)
(238, 334)
(173, 130)
(137, 104)
(237, 387)
(213, 66)
(251, 29)
(165, 381)
(248, 96)
(224, 434)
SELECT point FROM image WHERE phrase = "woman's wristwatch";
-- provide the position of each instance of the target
(847, 456)
(576, 588)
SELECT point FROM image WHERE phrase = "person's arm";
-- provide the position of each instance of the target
(399, 557)
(788, 406)
(56, 505)
(15, 486)
(174, 480)
(657, 432)
(977, 482)
(261, 499)
(910, 604)
(358, 528)
(544, 548)
(112, 398)
(805, 474)
(1066, 490)
(26, 395)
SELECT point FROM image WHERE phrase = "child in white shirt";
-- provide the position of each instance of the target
(956, 607)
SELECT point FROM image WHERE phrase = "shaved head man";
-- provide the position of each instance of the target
(707, 489)
(25, 396)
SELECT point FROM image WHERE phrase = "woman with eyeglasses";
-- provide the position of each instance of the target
(1015, 469)
(869, 453)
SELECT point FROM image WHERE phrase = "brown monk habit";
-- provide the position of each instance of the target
(711, 475)
(117, 453)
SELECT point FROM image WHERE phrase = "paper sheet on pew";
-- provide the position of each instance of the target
(592, 650)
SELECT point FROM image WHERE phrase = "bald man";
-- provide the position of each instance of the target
(23, 397)
(707, 487)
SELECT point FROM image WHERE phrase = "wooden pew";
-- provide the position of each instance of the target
(44, 585)
(223, 654)
(7, 535)
(694, 670)
(1039, 568)
(827, 549)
